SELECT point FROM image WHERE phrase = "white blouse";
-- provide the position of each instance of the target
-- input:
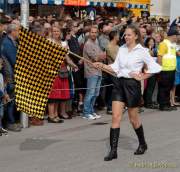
(132, 62)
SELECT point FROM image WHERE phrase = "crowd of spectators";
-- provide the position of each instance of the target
(97, 40)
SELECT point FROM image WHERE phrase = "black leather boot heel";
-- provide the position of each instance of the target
(114, 136)
(142, 143)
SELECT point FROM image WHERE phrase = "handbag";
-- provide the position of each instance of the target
(63, 72)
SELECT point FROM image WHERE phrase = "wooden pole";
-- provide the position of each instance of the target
(88, 61)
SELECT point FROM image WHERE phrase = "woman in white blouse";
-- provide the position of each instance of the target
(128, 67)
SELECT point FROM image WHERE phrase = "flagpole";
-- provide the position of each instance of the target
(25, 23)
(88, 61)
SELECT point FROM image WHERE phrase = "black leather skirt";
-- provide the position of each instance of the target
(127, 90)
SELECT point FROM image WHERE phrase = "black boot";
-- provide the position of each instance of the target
(142, 143)
(114, 136)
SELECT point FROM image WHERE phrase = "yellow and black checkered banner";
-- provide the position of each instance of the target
(37, 64)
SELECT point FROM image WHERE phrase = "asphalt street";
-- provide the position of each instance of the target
(79, 145)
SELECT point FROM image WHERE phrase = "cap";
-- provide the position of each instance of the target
(178, 21)
(172, 31)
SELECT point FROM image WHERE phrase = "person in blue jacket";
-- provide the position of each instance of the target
(8, 53)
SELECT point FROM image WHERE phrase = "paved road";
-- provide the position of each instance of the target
(79, 145)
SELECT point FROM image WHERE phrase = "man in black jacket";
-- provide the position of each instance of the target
(79, 80)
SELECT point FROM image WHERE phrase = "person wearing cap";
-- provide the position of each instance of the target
(167, 59)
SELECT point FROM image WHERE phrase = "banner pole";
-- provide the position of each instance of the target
(88, 61)
(24, 119)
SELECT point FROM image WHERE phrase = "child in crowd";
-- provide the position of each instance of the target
(4, 98)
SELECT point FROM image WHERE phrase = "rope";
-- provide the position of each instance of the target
(73, 89)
